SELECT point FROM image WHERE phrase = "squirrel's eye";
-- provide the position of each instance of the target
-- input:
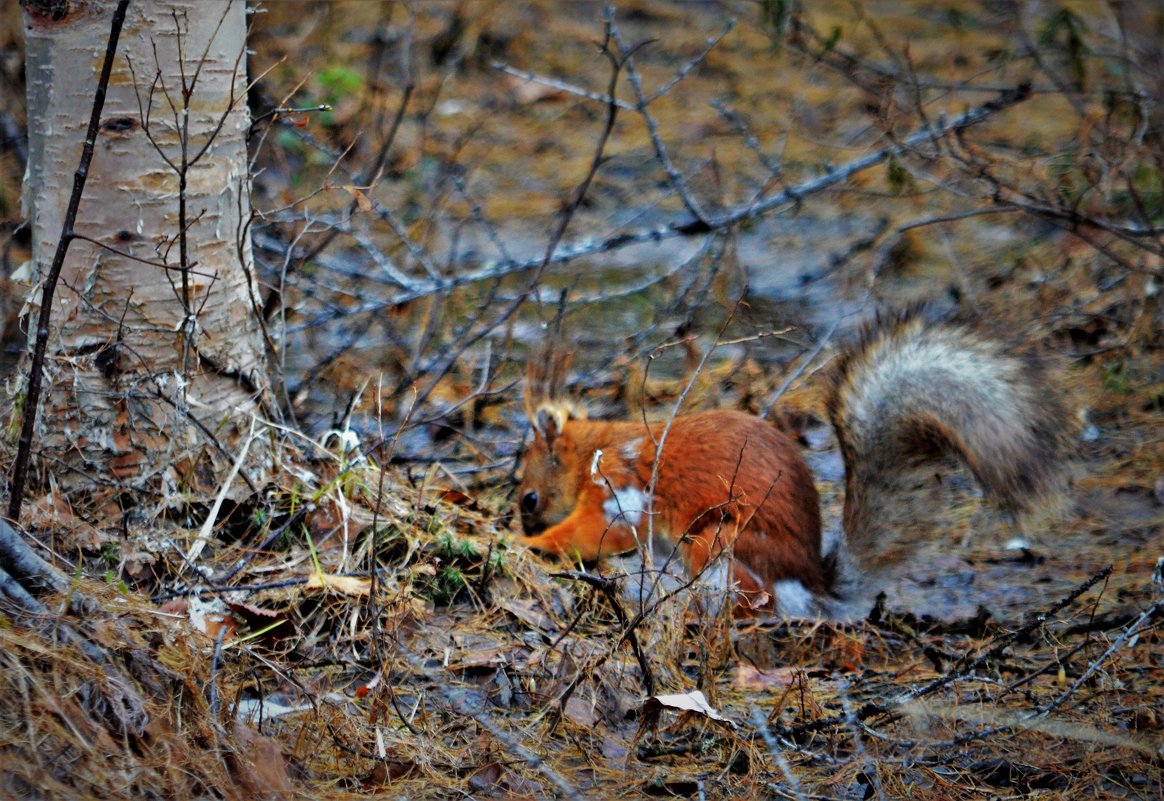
(529, 502)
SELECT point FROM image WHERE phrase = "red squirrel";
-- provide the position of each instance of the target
(731, 483)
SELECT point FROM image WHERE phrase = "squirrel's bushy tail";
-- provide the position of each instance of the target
(913, 392)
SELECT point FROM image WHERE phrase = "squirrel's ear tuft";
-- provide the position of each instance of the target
(546, 373)
(549, 420)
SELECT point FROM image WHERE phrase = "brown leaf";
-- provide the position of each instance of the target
(580, 711)
(258, 765)
(462, 499)
(209, 617)
(362, 201)
(528, 611)
(52, 512)
(345, 585)
(487, 778)
(488, 657)
(750, 678)
(387, 771)
(175, 606)
(613, 747)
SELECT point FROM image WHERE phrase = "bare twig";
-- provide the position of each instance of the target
(677, 179)
(776, 752)
(562, 86)
(609, 587)
(617, 62)
(684, 227)
(215, 662)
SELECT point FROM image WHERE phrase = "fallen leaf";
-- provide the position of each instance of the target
(486, 778)
(209, 617)
(694, 701)
(258, 765)
(580, 711)
(465, 500)
(474, 660)
(175, 606)
(387, 771)
(345, 585)
(756, 601)
(528, 611)
(749, 677)
(53, 512)
(613, 747)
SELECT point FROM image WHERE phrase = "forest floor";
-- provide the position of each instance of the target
(461, 667)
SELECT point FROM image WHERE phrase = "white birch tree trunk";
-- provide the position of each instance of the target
(156, 372)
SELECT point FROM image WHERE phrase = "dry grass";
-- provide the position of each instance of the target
(469, 670)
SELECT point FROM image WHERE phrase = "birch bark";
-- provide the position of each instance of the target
(156, 372)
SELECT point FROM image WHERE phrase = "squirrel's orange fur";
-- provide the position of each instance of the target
(907, 393)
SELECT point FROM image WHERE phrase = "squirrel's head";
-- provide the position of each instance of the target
(550, 473)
